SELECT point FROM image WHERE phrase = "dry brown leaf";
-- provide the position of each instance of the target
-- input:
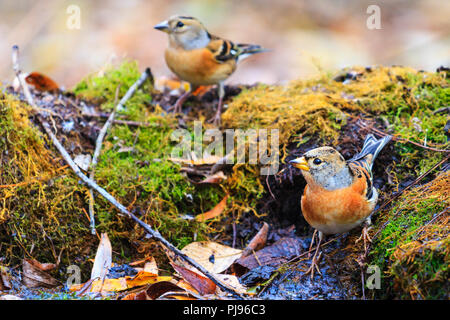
(179, 296)
(274, 255)
(41, 82)
(33, 277)
(202, 284)
(258, 241)
(43, 266)
(213, 179)
(214, 212)
(143, 278)
(103, 258)
(186, 286)
(158, 289)
(213, 256)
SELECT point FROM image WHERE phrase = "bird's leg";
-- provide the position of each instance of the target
(316, 258)
(179, 104)
(365, 233)
(216, 118)
(314, 236)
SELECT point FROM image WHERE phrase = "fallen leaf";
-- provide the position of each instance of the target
(201, 90)
(151, 266)
(214, 212)
(274, 255)
(33, 277)
(258, 241)
(141, 279)
(158, 289)
(178, 296)
(233, 282)
(109, 285)
(213, 179)
(83, 161)
(202, 284)
(136, 296)
(186, 286)
(41, 82)
(197, 162)
(103, 258)
(43, 266)
(213, 256)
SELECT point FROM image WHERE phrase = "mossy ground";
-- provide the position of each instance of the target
(43, 204)
(40, 199)
(327, 111)
(413, 248)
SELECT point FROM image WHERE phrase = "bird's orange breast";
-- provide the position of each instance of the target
(338, 210)
(198, 66)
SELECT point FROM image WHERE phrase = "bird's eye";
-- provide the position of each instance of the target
(180, 24)
(317, 161)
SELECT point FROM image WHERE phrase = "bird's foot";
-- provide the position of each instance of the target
(179, 103)
(365, 237)
(314, 266)
(215, 120)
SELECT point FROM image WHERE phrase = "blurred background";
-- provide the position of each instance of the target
(305, 36)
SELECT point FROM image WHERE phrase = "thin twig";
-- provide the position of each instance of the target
(130, 123)
(98, 148)
(90, 183)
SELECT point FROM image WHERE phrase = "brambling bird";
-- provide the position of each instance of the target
(200, 58)
(339, 194)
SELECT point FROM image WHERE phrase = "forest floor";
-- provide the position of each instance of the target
(196, 201)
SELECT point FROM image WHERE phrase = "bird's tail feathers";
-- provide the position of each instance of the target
(246, 50)
(372, 146)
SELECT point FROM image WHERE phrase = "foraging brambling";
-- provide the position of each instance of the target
(200, 58)
(339, 194)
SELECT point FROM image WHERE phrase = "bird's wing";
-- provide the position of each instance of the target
(226, 51)
(361, 169)
(361, 164)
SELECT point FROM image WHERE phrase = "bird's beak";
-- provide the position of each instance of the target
(163, 26)
(300, 163)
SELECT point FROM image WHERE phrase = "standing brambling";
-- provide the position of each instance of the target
(339, 194)
(200, 58)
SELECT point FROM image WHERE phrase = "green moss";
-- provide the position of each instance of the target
(412, 251)
(404, 97)
(39, 201)
(134, 165)
(101, 87)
